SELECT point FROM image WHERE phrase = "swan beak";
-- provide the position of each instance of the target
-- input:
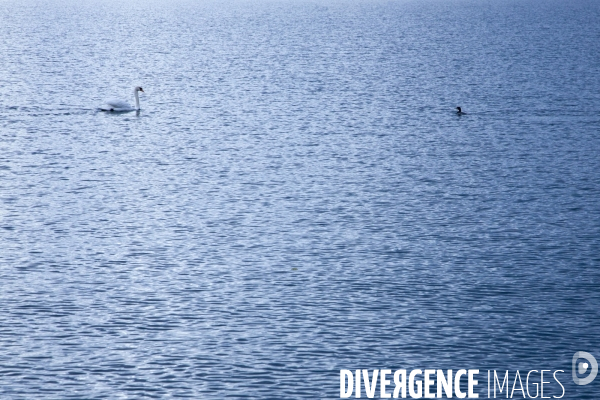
(141, 90)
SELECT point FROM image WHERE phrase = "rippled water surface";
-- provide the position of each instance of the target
(296, 196)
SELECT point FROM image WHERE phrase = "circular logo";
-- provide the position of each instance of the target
(582, 368)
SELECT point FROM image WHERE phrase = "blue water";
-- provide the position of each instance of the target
(296, 196)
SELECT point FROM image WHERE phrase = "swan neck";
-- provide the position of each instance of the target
(137, 100)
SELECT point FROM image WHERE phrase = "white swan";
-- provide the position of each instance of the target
(117, 105)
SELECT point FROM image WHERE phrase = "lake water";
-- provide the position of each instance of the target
(297, 195)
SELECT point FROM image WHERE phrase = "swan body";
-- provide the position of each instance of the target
(460, 111)
(116, 105)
